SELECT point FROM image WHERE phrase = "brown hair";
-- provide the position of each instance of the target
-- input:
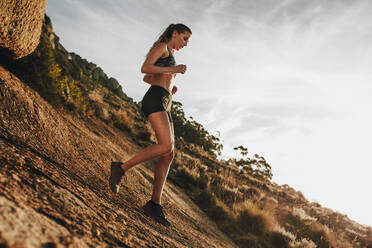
(166, 36)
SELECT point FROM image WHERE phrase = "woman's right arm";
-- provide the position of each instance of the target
(155, 53)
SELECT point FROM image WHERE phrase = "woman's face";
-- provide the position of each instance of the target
(180, 40)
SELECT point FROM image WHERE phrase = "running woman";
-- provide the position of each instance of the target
(160, 70)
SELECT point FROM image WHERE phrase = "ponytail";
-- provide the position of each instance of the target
(166, 36)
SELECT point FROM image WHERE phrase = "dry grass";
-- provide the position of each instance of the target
(300, 213)
(270, 203)
(253, 219)
(95, 95)
(303, 243)
(194, 171)
(293, 241)
(338, 239)
(251, 192)
(230, 179)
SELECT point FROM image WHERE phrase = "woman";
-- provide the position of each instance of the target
(160, 70)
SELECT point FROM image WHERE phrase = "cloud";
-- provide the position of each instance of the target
(205, 105)
(288, 79)
(252, 122)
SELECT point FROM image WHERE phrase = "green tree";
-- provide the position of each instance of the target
(256, 166)
(194, 132)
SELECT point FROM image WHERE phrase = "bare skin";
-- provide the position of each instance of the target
(164, 76)
(164, 131)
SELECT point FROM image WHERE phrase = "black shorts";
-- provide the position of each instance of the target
(157, 99)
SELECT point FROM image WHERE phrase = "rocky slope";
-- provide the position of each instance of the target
(53, 173)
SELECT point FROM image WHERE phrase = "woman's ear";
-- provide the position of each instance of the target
(174, 34)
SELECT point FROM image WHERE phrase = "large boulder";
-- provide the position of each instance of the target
(20, 26)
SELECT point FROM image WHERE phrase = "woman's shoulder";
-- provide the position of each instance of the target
(161, 46)
(161, 49)
(158, 51)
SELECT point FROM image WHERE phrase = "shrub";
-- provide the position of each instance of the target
(278, 240)
(217, 211)
(120, 123)
(188, 180)
(193, 132)
(252, 222)
(228, 195)
(220, 211)
(251, 219)
(303, 243)
(314, 232)
(205, 199)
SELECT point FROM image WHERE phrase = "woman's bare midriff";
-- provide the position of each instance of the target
(164, 80)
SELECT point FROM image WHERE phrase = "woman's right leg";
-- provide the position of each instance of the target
(161, 125)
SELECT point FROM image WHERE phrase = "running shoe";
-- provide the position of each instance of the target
(116, 175)
(155, 211)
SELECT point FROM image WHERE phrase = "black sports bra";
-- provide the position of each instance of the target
(166, 62)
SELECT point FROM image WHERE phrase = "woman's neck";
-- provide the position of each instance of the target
(170, 46)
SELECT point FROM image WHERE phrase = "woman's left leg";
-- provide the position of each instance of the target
(161, 172)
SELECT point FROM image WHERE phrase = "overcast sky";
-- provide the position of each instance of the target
(290, 80)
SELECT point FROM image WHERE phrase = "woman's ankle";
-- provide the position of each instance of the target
(123, 167)
(155, 201)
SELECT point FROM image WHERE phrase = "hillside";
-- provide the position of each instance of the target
(63, 120)
(54, 170)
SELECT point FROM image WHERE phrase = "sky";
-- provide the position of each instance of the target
(290, 80)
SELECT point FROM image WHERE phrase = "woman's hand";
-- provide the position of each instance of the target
(147, 78)
(174, 90)
(180, 69)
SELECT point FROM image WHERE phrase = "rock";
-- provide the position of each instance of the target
(22, 226)
(95, 231)
(48, 31)
(20, 26)
(3, 179)
(16, 178)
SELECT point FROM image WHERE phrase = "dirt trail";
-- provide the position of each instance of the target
(53, 183)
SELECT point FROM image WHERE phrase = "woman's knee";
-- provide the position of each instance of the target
(166, 148)
(168, 156)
